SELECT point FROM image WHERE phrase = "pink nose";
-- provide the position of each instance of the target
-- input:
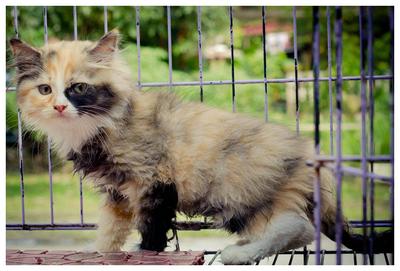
(60, 108)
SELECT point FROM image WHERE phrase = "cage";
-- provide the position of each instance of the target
(336, 160)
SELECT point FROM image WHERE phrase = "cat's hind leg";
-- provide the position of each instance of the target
(283, 231)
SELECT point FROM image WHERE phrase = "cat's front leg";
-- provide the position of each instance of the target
(158, 208)
(114, 224)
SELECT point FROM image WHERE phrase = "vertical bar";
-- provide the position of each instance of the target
(339, 56)
(232, 59)
(75, 17)
(315, 60)
(322, 257)
(328, 27)
(15, 15)
(363, 131)
(317, 213)
(169, 47)
(74, 14)
(275, 258)
(391, 90)
(317, 181)
(291, 257)
(20, 143)
(371, 130)
(138, 46)
(48, 139)
(355, 258)
(296, 84)
(264, 64)
(199, 48)
(105, 19)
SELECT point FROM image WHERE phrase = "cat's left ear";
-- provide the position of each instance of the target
(106, 46)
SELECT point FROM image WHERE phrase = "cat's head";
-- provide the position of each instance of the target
(68, 89)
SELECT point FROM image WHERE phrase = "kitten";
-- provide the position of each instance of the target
(153, 155)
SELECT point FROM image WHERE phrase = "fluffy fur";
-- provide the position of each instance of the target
(152, 154)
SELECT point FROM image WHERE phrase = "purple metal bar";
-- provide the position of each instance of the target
(75, 17)
(253, 81)
(357, 172)
(391, 105)
(137, 9)
(46, 37)
(199, 49)
(264, 63)
(363, 129)
(317, 181)
(371, 130)
(296, 79)
(232, 59)
(391, 89)
(179, 225)
(328, 29)
(259, 81)
(375, 159)
(105, 20)
(169, 47)
(315, 61)
(20, 141)
(339, 222)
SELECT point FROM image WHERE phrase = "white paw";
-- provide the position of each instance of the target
(234, 254)
(135, 248)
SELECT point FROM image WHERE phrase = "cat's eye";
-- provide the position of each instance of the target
(44, 89)
(80, 88)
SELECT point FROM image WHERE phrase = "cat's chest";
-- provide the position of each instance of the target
(96, 161)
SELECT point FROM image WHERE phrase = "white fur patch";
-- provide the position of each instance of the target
(284, 232)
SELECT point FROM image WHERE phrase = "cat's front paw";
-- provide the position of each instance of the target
(238, 255)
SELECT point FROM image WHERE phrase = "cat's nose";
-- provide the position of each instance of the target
(60, 107)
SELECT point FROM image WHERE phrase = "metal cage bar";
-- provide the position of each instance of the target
(232, 58)
(263, 15)
(137, 18)
(200, 54)
(338, 172)
(363, 97)
(296, 79)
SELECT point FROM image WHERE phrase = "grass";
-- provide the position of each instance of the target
(66, 198)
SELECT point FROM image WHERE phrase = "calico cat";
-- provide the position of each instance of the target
(153, 155)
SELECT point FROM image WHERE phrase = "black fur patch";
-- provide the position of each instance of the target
(96, 100)
(290, 164)
(157, 211)
(115, 197)
(239, 221)
(93, 158)
(28, 69)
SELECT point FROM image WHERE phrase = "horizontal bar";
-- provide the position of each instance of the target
(354, 158)
(297, 252)
(181, 225)
(358, 172)
(250, 81)
(261, 81)
(55, 226)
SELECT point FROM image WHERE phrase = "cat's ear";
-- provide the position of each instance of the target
(106, 46)
(22, 50)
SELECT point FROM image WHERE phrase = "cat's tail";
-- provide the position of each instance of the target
(383, 242)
